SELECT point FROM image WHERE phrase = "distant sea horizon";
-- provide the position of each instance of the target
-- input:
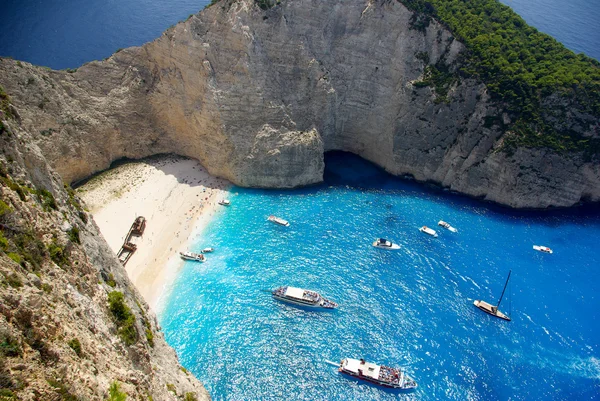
(66, 34)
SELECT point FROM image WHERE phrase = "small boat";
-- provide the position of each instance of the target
(207, 250)
(447, 226)
(382, 243)
(491, 309)
(196, 257)
(302, 297)
(428, 230)
(377, 374)
(543, 249)
(278, 220)
(224, 202)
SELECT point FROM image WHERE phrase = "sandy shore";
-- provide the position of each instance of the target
(178, 198)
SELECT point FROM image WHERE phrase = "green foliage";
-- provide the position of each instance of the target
(519, 65)
(14, 280)
(47, 288)
(74, 235)
(4, 208)
(73, 201)
(6, 394)
(115, 393)
(47, 199)
(62, 390)
(15, 256)
(148, 327)
(190, 397)
(47, 132)
(8, 182)
(76, 346)
(111, 280)
(123, 317)
(266, 4)
(71, 70)
(171, 388)
(9, 347)
(440, 79)
(30, 248)
(58, 254)
(5, 110)
(149, 337)
(3, 242)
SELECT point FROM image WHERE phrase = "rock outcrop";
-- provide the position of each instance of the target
(257, 96)
(71, 323)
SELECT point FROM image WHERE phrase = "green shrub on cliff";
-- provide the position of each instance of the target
(520, 66)
(123, 317)
(115, 393)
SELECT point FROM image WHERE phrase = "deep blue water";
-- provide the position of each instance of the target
(411, 308)
(574, 23)
(68, 33)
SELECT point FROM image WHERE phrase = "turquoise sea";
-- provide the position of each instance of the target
(411, 308)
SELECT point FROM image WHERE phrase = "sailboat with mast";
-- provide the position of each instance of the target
(491, 309)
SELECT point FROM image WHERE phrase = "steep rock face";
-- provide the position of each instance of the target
(258, 96)
(60, 338)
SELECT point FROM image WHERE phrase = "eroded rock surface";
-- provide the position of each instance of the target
(257, 97)
(60, 337)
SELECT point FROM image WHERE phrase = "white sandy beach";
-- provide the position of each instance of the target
(178, 198)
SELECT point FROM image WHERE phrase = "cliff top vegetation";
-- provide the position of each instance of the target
(520, 66)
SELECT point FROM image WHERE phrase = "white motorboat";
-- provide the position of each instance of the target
(543, 249)
(428, 231)
(382, 243)
(447, 226)
(224, 202)
(302, 297)
(278, 220)
(196, 257)
(377, 374)
(207, 250)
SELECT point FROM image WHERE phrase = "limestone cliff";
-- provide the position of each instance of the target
(259, 95)
(71, 323)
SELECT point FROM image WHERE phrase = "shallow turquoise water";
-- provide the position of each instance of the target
(411, 308)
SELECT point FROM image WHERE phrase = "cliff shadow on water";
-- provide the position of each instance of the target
(345, 169)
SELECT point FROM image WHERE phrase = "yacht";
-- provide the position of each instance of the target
(493, 309)
(224, 202)
(196, 257)
(385, 244)
(278, 220)
(302, 297)
(377, 374)
(447, 226)
(207, 250)
(543, 249)
(428, 230)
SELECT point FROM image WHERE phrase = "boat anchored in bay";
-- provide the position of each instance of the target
(196, 257)
(428, 231)
(302, 297)
(377, 374)
(447, 226)
(382, 243)
(491, 309)
(224, 202)
(543, 249)
(278, 220)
